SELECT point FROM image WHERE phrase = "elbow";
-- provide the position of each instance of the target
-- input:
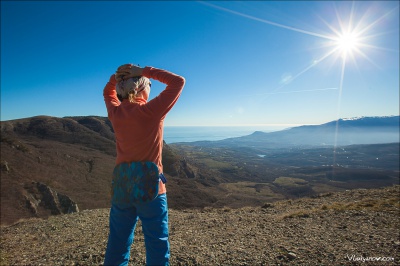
(182, 81)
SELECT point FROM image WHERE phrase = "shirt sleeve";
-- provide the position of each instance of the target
(110, 95)
(162, 104)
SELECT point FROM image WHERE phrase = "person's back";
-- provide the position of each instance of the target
(138, 127)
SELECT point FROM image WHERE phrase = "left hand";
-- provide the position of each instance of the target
(128, 71)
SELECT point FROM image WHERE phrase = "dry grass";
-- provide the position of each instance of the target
(368, 204)
(299, 214)
(251, 188)
(213, 164)
(290, 181)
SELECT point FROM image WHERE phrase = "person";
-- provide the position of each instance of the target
(138, 127)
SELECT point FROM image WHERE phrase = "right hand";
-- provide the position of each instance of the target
(128, 71)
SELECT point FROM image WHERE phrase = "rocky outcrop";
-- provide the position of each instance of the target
(186, 169)
(176, 165)
(43, 196)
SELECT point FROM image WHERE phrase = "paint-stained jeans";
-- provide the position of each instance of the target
(154, 217)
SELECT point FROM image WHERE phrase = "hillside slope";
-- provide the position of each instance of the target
(358, 227)
(46, 157)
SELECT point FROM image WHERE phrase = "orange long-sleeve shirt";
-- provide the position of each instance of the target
(138, 127)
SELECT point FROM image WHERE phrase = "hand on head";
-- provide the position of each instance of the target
(128, 71)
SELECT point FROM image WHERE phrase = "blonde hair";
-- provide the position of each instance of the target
(132, 96)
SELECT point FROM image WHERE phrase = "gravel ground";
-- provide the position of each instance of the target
(358, 227)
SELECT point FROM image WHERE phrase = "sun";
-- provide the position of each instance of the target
(347, 43)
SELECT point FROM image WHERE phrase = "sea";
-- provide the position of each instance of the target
(175, 134)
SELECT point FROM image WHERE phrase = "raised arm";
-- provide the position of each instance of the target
(110, 95)
(163, 103)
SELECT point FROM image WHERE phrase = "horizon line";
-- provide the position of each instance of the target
(240, 125)
(219, 125)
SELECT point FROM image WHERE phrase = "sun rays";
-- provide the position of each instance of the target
(348, 38)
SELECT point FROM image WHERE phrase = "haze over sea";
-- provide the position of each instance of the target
(174, 134)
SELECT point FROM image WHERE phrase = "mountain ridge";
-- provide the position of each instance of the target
(366, 130)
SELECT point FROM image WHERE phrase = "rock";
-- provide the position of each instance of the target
(50, 199)
(67, 204)
(4, 166)
(31, 204)
(291, 255)
(267, 205)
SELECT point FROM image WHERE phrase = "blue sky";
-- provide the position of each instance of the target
(245, 63)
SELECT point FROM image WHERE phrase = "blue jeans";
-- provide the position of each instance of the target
(154, 217)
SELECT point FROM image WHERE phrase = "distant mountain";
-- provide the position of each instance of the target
(365, 130)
